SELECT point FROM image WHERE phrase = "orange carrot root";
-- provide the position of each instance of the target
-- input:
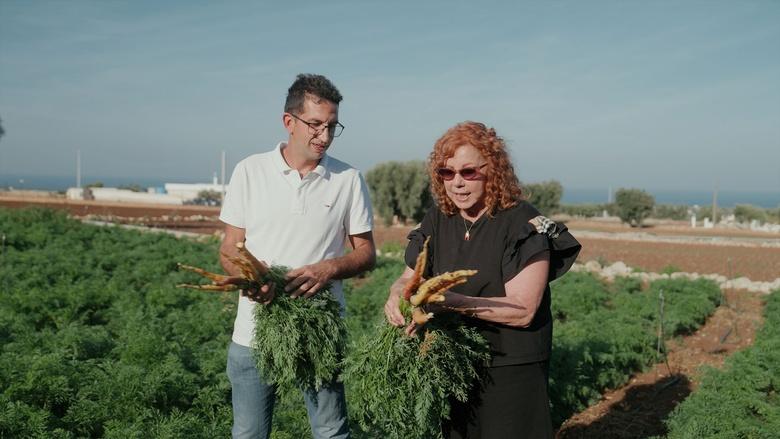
(419, 270)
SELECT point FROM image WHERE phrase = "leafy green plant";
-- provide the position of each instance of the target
(299, 341)
(670, 268)
(576, 295)
(401, 386)
(633, 205)
(97, 342)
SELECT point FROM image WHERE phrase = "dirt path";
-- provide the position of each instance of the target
(638, 409)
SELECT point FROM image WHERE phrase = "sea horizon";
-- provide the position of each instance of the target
(690, 197)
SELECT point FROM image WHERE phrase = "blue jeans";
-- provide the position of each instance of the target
(253, 401)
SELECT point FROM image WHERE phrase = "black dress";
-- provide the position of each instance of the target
(512, 402)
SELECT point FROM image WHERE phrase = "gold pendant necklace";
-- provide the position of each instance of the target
(467, 236)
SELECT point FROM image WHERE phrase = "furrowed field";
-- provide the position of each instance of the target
(97, 341)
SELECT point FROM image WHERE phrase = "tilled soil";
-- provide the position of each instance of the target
(755, 263)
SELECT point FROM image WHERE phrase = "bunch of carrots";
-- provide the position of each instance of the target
(298, 342)
(402, 385)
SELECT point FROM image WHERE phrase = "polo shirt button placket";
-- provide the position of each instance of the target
(300, 199)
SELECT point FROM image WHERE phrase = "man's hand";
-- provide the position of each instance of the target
(263, 296)
(309, 279)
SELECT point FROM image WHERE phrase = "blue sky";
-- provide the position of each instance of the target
(654, 95)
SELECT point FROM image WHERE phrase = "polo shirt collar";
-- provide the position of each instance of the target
(322, 168)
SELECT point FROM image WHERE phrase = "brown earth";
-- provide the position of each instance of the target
(665, 228)
(123, 210)
(755, 263)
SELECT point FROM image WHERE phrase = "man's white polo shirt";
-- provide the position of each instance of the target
(293, 221)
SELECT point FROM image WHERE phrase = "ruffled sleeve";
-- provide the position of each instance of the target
(533, 237)
(416, 239)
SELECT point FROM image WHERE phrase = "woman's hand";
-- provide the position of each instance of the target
(392, 312)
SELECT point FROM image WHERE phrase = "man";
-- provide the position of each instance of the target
(295, 206)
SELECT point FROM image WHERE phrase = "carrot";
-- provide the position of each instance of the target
(213, 276)
(436, 286)
(420, 317)
(419, 270)
(260, 268)
(251, 276)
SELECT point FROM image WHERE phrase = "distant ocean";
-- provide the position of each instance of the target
(726, 198)
(55, 183)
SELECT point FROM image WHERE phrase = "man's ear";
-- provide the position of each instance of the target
(288, 122)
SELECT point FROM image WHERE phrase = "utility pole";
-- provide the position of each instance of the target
(78, 168)
(715, 205)
(223, 174)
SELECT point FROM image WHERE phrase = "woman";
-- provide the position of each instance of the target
(481, 222)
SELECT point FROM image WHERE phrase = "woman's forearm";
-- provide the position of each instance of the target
(504, 310)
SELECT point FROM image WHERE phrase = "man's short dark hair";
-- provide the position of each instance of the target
(311, 85)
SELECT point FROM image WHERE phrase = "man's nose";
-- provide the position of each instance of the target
(325, 134)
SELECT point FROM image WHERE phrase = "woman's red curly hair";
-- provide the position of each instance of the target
(502, 189)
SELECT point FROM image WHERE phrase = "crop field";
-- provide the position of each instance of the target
(97, 341)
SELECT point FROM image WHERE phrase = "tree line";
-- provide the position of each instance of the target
(400, 192)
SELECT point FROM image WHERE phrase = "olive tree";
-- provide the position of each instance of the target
(633, 205)
(545, 196)
(400, 189)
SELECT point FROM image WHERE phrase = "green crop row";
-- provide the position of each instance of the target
(741, 400)
(605, 333)
(97, 341)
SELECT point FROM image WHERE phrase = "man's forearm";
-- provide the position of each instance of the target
(233, 235)
(357, 261)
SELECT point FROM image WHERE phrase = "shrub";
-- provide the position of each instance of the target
(747, 213)
(584, 210)
(671, 211)
(633, 205)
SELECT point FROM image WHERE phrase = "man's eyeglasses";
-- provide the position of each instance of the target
(315, 128)
(470, 174)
